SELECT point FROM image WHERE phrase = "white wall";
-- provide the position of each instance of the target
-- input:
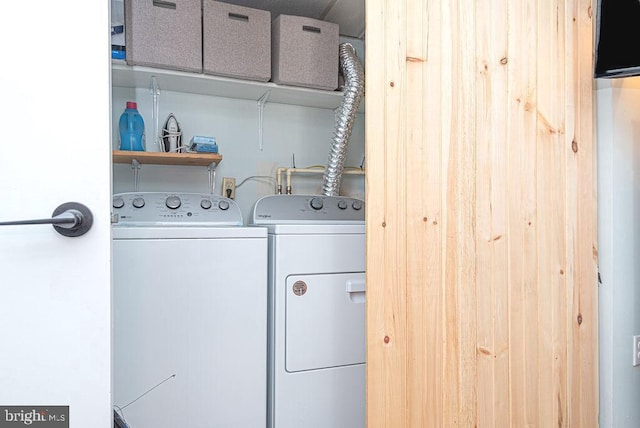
(618, 151)
(305, 132)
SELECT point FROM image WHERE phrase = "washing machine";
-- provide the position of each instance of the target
(189, 312)
(316, 310)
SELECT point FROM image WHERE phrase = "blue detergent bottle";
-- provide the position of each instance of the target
(131, 127)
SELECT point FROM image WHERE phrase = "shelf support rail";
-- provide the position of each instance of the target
(155, 112)
(261, 102)
(135, 165)
(212, 177)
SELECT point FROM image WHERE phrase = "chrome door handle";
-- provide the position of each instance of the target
(69, 219)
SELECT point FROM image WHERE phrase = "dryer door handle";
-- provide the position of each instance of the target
(356, 286)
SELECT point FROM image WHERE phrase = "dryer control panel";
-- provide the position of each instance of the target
(311, 209)
(173, 209)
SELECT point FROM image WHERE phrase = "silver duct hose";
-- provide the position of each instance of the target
(353, 92)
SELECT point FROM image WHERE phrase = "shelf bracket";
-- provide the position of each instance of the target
(135, 165)
(261, 102)
(155, 112)
(212, 177)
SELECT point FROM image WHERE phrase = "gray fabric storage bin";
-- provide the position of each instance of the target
(236, 41)
(164, 34)
(304, 52)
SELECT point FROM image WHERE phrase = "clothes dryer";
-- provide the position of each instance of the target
(189, 312)
(316, 354)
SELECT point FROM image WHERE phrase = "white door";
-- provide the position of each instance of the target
(55, 147)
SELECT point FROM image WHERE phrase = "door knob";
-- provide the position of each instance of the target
(69, 219)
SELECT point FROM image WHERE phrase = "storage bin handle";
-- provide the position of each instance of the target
(165, 4)
(311, 29)
(238, 17)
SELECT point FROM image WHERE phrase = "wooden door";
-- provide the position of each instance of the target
(481, 214)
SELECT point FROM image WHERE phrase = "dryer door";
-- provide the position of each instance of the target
(325, 321)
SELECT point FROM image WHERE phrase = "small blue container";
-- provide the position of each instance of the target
(131, 127)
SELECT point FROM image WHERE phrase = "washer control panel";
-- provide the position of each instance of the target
(300, 209)
(174, 209)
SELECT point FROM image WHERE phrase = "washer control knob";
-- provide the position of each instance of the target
(138, 202)
(118, 202)
(357, 205)
(173, 202)
(316, 203)
(223, 205)
(342, 204)
(205, 204)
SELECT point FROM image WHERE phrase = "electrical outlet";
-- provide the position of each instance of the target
(229, 187)
(636, 351)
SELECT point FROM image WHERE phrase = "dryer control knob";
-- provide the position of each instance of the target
(138, 202)
(342, 204)
(316, 203)
(205, 204)
(118, 202)
(357, 205)
(223, 205)
(173, 202)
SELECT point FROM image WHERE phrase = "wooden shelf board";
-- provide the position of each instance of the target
(158, 158)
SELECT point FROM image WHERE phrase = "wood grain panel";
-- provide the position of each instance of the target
(481, 256)
(492, 239)
(386, 219)
(416, 244)
(435, 106)
(583, 315)
(522, 215)
(460, 241)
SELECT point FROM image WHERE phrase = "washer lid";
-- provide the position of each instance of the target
(315, 229)
(181, 232)
(307, 209)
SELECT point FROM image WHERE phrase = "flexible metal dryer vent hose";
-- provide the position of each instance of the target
(353, 91)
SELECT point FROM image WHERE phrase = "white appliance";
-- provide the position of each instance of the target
(190, 312)
(316, 353)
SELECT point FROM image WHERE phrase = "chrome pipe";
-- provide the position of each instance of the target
(353, 92)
